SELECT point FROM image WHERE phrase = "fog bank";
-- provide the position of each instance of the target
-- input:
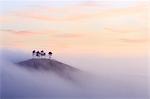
(20, 83)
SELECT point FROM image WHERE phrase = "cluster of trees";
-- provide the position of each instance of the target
(41, 54)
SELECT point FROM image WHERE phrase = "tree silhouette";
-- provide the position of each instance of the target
(43, 53)
(38, 54)
(33, 53)
(50, 54)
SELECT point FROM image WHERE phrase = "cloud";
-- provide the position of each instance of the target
(127, 40)
(6, 19)
(19, 82)
(118, 30)
(22, 32)
(13, 55)
(68, 35)
(79, 12)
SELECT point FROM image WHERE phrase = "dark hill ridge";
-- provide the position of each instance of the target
(46, 64)
(51, 65)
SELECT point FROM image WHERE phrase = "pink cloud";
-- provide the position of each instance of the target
(118, 30)
(68, 35)
(78, 12)
(22, 32)
(127, 40)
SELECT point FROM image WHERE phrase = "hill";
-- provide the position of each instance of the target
(51, 65)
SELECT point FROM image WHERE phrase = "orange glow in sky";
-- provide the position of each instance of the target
(105, 28)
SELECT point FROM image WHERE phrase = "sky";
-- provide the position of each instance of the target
(108, 28)
(105, 37)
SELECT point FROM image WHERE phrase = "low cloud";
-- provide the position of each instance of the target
(18, 82)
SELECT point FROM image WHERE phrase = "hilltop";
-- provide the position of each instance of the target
(50, 65)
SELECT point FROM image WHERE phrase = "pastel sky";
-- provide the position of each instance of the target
(109, 28)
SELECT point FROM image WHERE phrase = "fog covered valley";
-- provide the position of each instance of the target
(25, 78)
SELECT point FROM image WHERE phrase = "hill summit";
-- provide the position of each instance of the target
(50, 65)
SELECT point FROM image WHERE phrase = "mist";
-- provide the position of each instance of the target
(20, 83)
